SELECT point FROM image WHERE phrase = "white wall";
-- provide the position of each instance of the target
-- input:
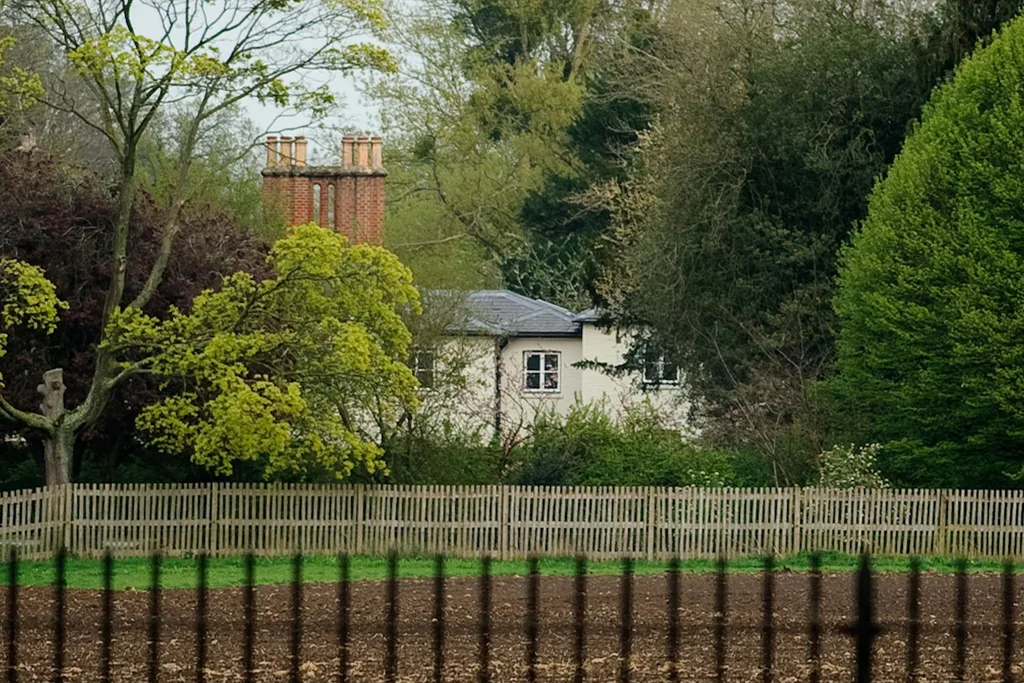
(519, 406)
(472, 404)
(464, 385)
(609, 346)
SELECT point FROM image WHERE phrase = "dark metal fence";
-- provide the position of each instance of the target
(863, 630)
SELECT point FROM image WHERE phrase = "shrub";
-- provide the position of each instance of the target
(586, 447)
(18, 469)
(442, 455)
(849, 467)
(931, 291)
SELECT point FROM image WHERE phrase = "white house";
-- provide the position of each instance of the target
(521, 356)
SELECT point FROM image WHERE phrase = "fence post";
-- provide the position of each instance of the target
(213, 532)
(797, 519)
(941, 523)
(67, 515)
(503, 522)
(650, 521)
(513, 523)
(358, 521)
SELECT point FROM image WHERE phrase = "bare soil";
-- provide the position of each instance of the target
(319, 656)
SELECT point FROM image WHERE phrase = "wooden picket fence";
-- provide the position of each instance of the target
(508, 521)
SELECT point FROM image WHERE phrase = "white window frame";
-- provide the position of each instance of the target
(542, 371)
(659, 381)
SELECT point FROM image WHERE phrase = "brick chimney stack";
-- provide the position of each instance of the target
(348, 198)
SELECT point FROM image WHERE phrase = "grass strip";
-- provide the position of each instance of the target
(134, 573)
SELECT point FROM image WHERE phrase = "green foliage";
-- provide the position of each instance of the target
(225, 171)
(235, 383)
(848, 467)
(420, 230)
(114, 52)
(281, 371)
(931, 290)
(792, 463)
(48, 211)
(560, 258)
(484, 114)
(472, 138)
(27, 299)
(771, 130)
(443, 455)
(767, 185)
(587, 447)
(18, 469)
(18, 88)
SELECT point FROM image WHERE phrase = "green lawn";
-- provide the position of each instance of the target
(181, 573)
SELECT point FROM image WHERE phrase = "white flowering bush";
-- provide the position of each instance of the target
(848, 467)
(705, 479)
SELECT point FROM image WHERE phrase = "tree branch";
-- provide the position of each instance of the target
(20, 417)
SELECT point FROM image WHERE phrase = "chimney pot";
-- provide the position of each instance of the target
(300, 150)
(287, 153)
(377, 152)
(347, 150)
(272, 150)
(363, 148)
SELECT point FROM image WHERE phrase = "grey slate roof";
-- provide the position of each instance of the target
(591, 315)
(501, 312)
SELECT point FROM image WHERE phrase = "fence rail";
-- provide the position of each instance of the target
(508, 521)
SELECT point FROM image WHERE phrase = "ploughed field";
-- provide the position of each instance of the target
(319, 653)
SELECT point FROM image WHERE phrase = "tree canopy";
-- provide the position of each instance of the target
(27, 300)
(931, 290)
(502, 115)
(279, 364)
(289, 371)
(771, 129)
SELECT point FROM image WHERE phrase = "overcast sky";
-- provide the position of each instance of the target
(354, 112)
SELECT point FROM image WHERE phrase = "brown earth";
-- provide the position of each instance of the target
(319, 650)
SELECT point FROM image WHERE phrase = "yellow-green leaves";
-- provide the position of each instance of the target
(371, 10)
(291, 373)
(18, 88)
(478, 134)
(27, 299)
(366, 56)
(203, 60)
(119, 53)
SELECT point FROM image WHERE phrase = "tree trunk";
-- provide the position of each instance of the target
(58, 450)
(59, 443)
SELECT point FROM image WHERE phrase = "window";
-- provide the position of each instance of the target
(423, 361)
(316, 204)
(543, 370)
(658, 371)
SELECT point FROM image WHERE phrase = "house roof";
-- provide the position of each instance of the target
(591, 315)
(501, 312)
